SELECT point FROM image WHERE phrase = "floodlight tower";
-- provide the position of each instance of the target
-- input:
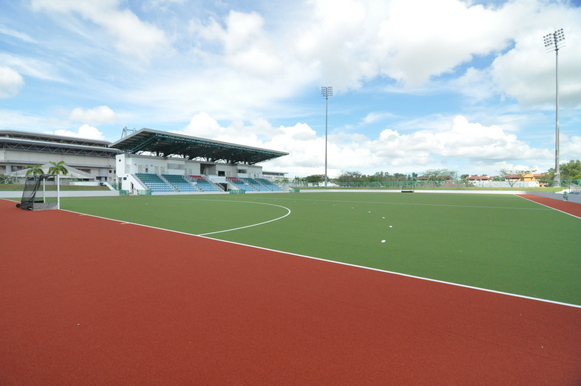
(553, 42)
(327, 92)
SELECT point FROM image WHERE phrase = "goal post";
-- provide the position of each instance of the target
(407, 187)
(41, 192)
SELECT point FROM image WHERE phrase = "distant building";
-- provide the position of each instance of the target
(526, 177)
(478, 178)
(19, 149)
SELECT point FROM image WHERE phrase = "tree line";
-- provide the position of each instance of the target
(569, 171)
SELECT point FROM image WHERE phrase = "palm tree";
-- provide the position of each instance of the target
(34, 170)
(58, 168)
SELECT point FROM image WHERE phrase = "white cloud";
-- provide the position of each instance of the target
(570, 147)
(472, 145)
(30, 66)
(101, 114)
(12, 120)
(85, 131)
(475, 85)
(374, 117)
(16, 120)
(527, 72)
(131, 36)
(248, 63)
(420, 39)
(462, 139)
(246, 45)
(243, 64)
(413, 41)
(10, 82)
(162, 5)
(17, 34)
(204, 126)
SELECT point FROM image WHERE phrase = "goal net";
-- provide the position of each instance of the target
(41, 192)
(408, 187)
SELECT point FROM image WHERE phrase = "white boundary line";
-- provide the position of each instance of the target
(339, 262)
(550, 207)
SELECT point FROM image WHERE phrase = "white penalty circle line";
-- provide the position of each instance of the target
(251, 225)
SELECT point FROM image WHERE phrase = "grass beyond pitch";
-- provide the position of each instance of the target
(500, 242)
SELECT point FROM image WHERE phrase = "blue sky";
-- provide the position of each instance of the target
(418, 84)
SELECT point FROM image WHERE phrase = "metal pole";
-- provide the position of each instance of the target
(326, 134)
(58, 191)
(557, 129)
(553, 42)
(326, 92)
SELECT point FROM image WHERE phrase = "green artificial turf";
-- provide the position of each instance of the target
(499, 242)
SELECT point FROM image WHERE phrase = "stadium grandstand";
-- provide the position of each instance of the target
(92, 160)
(163, 162)
(144, 161)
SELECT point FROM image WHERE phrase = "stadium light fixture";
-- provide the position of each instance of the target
(553, 42)
(327, 92)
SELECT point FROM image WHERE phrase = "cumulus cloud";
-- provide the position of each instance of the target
(414, 48)
(131, 36)
(245, 43)
(462, 139)
(101, 114)
(348, 42)
(255, 134)
(469, 143)
(245, 65)
(10, 82)
(85, 131)
(570, 147)
(241, 64)
(527, 71)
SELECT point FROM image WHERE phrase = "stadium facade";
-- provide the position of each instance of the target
(19, 150)
(142, 154)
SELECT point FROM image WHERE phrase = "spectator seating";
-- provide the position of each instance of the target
(269, 184)
(256, 185)
(180, 183)
(204, 185)
(155, 183)
(172, 183)
(241, 184)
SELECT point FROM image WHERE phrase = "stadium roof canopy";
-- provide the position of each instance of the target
(56, 144)
(166, 144)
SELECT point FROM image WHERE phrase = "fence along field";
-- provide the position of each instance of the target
(498, 242)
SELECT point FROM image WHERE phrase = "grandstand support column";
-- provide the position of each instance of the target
(327, 92)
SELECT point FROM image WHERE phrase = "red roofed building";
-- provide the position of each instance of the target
(478, 178)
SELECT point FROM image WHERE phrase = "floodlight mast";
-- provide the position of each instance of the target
(327, 92)
(553, 42)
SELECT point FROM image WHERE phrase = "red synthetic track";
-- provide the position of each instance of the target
(571, 208)
(92, 301)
